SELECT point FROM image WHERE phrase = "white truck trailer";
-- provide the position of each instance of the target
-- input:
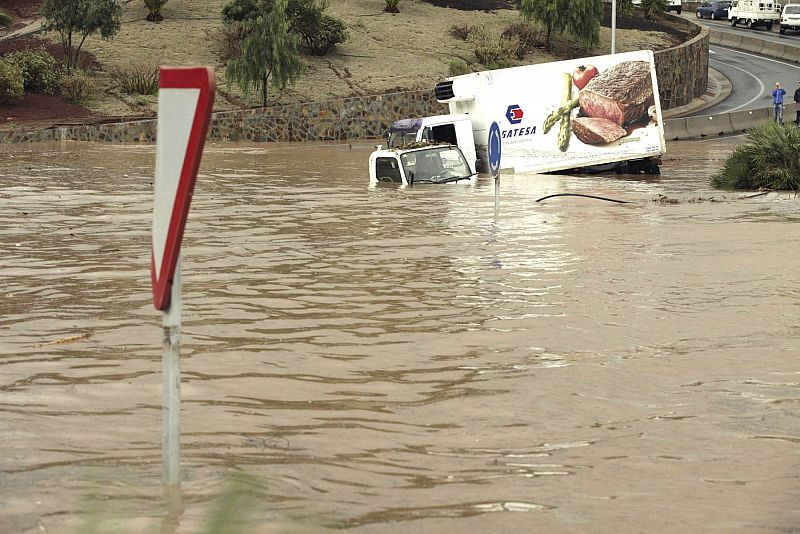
(752, 13)
(582, 114)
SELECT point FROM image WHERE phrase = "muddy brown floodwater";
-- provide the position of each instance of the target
(395, 360)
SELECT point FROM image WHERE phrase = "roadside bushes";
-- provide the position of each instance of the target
(494, 51)
(136, 79)
(458, 67)
(28, 70)
(76, 87)
(12, 83)
(40, 70)
(767, 159)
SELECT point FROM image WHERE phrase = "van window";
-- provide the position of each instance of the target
(793, 10)
(387, 170)
(445, 133)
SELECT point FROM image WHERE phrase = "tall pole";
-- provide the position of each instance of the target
(613, 26)
(497, 194)
(171, 399)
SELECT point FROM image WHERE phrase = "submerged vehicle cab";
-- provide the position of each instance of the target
(420, 163)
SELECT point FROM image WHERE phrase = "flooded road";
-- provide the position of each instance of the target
(387, 359)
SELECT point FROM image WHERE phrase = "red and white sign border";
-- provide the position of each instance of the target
(201, 78)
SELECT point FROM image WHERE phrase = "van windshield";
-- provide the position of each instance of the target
(792, 10)
(435, 165)
(400, 138)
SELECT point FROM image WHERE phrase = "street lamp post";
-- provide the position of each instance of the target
(613, 26)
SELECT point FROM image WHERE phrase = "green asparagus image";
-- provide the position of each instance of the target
(564, 129)
(552, 119)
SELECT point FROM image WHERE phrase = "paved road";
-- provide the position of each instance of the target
(753, 77)
(790, 37)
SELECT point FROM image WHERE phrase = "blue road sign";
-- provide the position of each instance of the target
(494, 149)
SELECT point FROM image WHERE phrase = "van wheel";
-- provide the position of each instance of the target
(750, 24)
(733, 22)
(769, 27)
(783, 30)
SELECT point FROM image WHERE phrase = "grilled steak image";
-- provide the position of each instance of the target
(621, 93)
(594, 131)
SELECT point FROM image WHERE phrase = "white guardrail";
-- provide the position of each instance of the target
(737, 121)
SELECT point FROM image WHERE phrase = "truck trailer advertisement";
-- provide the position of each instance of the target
(566, 114)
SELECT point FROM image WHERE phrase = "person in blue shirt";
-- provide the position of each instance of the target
(777, 103)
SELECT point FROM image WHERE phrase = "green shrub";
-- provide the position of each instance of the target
(5, 18)
(457, 68)
(320, 32)
(240, 10)
(492, 50)
(136, 79)
(391, 6)
(306, 18)
(77, 87)
(768, 159)
(460, 31)
(154, 10)
(530, 37)
(40, 70)
(12, 82)
(329, 32)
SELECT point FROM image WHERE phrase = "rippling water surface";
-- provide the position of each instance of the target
(389, 359)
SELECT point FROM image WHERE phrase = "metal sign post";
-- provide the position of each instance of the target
(495, 149)
(185, 99)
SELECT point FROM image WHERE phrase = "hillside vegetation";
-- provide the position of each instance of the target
(385, 52)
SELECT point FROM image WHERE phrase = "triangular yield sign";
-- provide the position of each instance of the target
(185, 99)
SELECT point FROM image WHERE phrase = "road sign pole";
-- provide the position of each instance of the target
(171, 398)
(497, 194)
(495, 147)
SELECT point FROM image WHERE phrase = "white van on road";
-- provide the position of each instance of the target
(790, 18)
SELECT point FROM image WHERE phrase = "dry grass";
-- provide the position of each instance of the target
(385, 52)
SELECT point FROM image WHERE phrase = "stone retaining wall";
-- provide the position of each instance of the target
(682, 76)
(682, 70)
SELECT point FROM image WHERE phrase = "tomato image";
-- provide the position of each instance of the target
(583, 74)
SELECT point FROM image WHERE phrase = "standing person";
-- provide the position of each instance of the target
(797, 104)
(777, 103)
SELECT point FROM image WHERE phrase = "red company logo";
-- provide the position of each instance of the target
(514, 114)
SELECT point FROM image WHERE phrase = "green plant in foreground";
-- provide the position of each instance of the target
(769, 158)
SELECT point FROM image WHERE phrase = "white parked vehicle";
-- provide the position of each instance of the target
(435, 129)
(790, 18)
(672, 5)
(752, 13)
(420, 163)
